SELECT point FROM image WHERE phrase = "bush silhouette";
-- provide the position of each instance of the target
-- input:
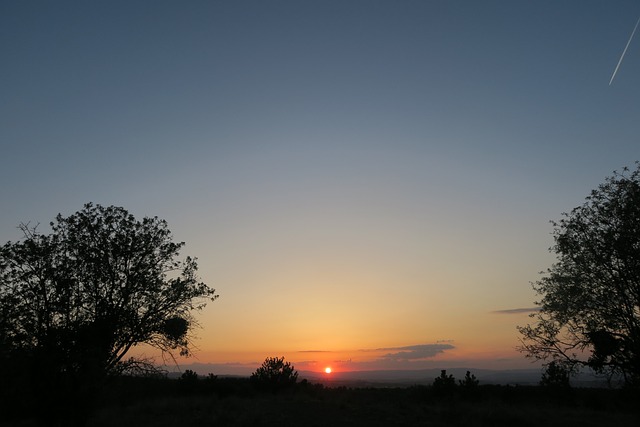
(555, 376)
(275, 374)
(444, 380)
(189, 376)
(470, 381)
(444, 384)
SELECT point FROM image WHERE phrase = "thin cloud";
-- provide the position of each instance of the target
(517, 310)
(415, 352)
(314, 351)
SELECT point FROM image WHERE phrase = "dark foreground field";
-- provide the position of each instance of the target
(234, 402)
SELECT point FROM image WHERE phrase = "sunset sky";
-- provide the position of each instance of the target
(366, 184)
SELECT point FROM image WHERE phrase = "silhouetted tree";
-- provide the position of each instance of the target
(275, 374)
(75, 301)
(444, 383)
(189, 376)
(590, 308)
(555, 376)
(189, 382)
(470, 381)
(469, 386)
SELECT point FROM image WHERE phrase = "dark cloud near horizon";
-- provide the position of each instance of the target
(517, 310)
(415, 352)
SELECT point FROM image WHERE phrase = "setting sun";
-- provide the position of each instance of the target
(327, 370)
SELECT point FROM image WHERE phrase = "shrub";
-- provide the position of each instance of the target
(555, 376)
(275, 374)
(444, 381)
(470, 381)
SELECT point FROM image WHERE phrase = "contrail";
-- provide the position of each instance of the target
(623, 52)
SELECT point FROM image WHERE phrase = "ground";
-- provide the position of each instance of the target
(235, 402)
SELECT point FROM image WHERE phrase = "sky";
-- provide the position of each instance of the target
(366, 184)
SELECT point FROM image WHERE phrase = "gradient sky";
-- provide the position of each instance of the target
(368, 182)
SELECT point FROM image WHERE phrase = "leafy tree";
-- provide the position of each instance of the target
(590, 307)
(275, 374)
(75, 301)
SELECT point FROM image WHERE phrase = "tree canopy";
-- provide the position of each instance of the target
(75, 301)
(590, 307)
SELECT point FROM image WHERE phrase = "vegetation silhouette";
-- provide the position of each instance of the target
(590, 308)
(556, 380)
(469, 382)
(230, 401)
(444, 385)
(189, 376)
(555, 376)
(275, 375)
(75, 301)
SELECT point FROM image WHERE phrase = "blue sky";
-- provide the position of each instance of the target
(351, 174)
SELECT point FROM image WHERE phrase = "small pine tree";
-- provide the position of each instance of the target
(555, 376)
(470, 381)
(444, 382)
(189, 376)
(275, 374)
